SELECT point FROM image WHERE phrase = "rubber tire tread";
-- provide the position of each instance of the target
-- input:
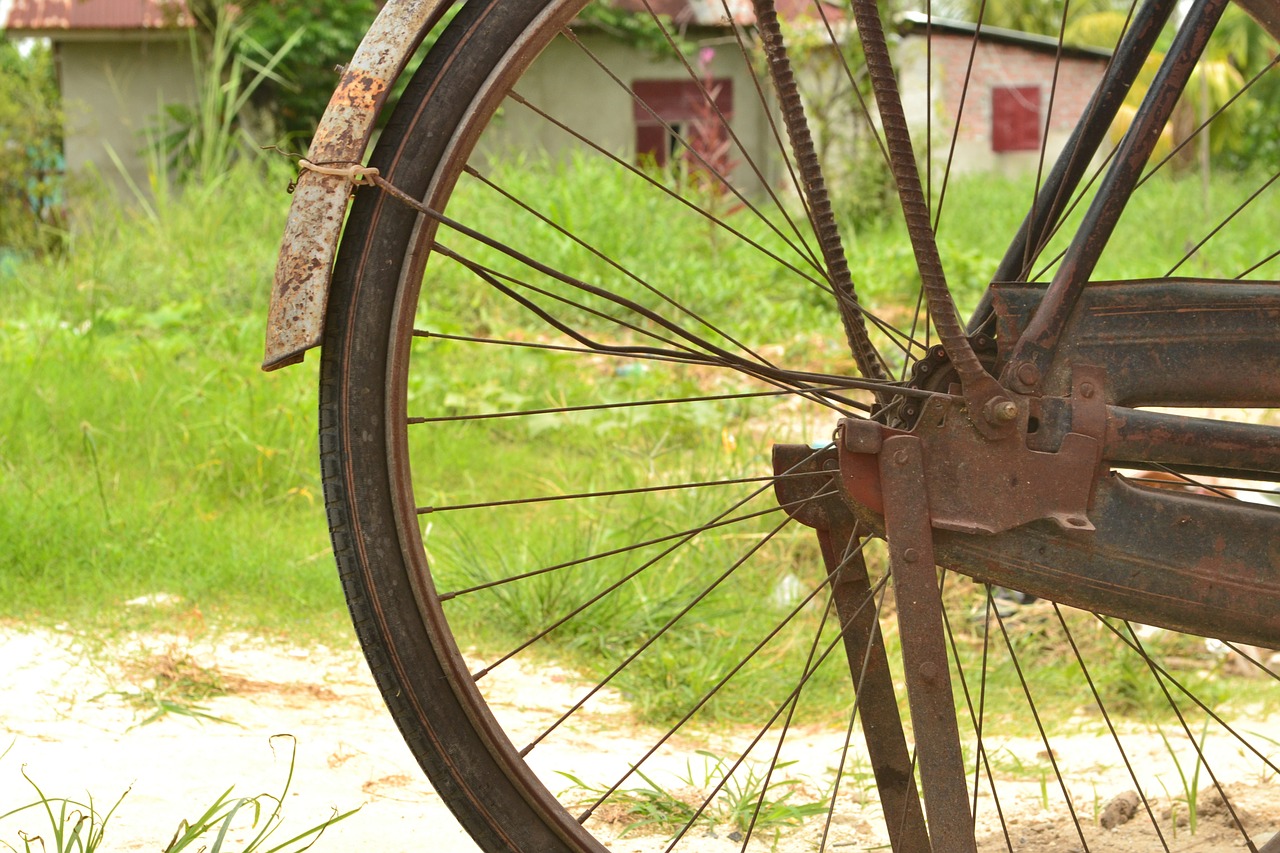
(355, 465)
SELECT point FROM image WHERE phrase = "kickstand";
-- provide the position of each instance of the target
(924, 652)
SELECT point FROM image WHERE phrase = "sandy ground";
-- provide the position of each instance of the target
(76, 733)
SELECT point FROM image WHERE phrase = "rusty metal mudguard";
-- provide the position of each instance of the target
(300, 293)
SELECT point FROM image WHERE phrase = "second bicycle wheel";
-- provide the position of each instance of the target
(586, 583)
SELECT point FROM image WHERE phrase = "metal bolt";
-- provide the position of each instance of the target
(928, 671)
(1028, 374)
(900, 458)
(910, 555)
(1005, 411)
(1086, 390)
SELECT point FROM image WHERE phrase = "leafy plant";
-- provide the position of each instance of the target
(1190, 786)
(74, 826)
(30, 143)
(314, 36)
(230, 66)
(78, 827)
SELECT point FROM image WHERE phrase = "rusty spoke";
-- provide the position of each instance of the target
(1128, 638)
(660, 632)
(597, 407)
(608, 493)
(764, 729)
(1230, 216)
(1106, 718)
(1182, 721)
(634, 766)
(982, 761)
(658, 292)
(801, 248)
(614, 552)
(626, 578)
(1035, 715)
(795, 381)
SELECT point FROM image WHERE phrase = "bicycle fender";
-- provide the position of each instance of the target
(300, 292)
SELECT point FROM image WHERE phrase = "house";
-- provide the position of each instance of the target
(1006, 105)
(1001, 128)
(119, 62)
(667, 114)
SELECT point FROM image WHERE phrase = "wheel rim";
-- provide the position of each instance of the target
(400, 384)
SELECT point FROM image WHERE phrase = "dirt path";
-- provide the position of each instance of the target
(75, 735)
(75, 730)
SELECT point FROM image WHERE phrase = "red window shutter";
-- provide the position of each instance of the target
(673, 103)
(1015, 118)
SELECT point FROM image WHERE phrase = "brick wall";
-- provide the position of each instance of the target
(996, 65)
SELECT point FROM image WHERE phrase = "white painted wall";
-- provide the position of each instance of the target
(112, 93)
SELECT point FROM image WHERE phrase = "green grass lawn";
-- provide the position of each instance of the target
(142, 450)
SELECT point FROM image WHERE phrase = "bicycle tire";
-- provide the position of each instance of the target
(400, 619)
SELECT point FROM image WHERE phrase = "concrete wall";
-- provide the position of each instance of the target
(112, 92)
(567, 84)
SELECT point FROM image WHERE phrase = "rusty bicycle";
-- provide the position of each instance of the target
(765, 564)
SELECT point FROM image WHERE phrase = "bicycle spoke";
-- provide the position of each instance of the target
(618, 584)
(661, 294)
(552, 385)
(657, 635)
(658, 744)
(605, 407)
(800, 249)
(1106, 718)
(1035, 715)
(1217, 228)
(1173, 706)
(638, 546)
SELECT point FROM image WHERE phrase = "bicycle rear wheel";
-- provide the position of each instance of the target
(547, 412)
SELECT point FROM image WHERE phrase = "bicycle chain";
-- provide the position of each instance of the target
(935, 372)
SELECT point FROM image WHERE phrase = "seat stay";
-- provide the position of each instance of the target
(1035, 348)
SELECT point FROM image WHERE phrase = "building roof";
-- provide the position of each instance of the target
(917, 23)
(50, 16)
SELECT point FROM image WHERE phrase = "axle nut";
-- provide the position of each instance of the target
(1001, 410)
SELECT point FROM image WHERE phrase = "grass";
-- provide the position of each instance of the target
(143, 452)
(75, 826)
(741, 798)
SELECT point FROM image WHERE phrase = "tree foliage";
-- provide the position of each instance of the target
(330, 32)
(30, 144)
